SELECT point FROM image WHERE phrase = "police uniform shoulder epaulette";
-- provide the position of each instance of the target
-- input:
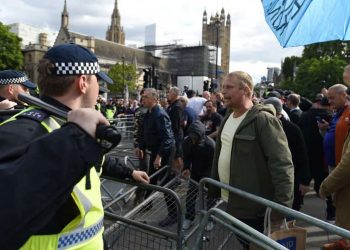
(34, 114)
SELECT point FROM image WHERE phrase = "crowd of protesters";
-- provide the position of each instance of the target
(293, 141)
(314, 130)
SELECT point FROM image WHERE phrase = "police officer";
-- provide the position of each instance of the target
(13, 82)
(58, 215)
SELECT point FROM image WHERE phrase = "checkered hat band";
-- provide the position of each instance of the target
(77, 68)
(16, 80)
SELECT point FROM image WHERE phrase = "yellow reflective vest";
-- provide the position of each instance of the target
(85, 231)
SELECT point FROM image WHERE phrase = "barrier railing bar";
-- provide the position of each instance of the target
(179, 206)
(140, 225)
(285, 210)
(130, 190)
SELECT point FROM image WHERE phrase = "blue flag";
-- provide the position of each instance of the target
(302, 22)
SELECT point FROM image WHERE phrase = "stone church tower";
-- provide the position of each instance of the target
(64, 17)
(115, 32)
(217, 33)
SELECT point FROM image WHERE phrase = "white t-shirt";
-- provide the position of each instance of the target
(224, 162)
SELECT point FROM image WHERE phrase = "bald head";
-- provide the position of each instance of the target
(338, 88)
(336, 96)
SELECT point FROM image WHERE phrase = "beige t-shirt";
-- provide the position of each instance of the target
(224, 163)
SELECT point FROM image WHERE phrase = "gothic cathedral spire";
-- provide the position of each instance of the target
(115, 32)
(217, 33)
(64, 17)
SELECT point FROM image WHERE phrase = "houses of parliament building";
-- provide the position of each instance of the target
(209, 60)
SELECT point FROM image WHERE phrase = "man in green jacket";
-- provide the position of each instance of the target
(251, 153)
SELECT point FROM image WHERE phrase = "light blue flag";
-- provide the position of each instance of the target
(302, 22)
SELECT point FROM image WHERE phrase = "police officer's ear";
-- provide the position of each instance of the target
(81, 83)
(11, 89)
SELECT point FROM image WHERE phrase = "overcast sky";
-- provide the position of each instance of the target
(253, 45)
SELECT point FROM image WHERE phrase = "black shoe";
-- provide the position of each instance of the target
(169, 220)
(330, 218)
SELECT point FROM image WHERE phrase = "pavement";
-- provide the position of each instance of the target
(315, 207)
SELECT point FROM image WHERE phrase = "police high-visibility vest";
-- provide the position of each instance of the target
(85, 231)
(110, 113)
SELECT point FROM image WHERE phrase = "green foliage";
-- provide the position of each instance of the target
(321, 65)
(289, 67)
(314, 74)
(120, 71)
(340, 49)
(11, 56)
(288, 84)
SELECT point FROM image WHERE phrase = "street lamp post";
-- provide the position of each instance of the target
(217, 26)
(123, 61)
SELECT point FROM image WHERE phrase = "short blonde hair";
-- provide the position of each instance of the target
(244, 79)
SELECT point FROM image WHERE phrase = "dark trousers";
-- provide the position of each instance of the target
(298, 198)
(191, 197)
(164, 178)
(257, 224)
(143, 166)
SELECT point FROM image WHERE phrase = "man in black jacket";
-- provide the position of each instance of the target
(198, 150)
(158, 140)
(175, 113)
(293, 101)
(67, 80)
(298, 150)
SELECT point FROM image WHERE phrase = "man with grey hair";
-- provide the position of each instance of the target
(158, 136)
(251, 129)
(175, 113)
(158, 139)
(335, 133)
(336, 130)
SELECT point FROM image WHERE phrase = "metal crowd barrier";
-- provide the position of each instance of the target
(226, 234)
(229, 221)
(125, 125)
(138, 228)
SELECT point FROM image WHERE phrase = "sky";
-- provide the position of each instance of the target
(253, 45)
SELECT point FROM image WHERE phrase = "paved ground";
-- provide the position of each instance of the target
(315, 207)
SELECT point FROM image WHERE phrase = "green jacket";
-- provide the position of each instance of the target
(261, 163)
(338, 183)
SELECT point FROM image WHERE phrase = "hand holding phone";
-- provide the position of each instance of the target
(320, 119)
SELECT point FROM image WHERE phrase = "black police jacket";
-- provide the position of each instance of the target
(37, 174)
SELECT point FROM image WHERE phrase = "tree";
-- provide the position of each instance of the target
(340, 49)
(11, 56)
(321, 65)
(289, 67)
(120, 71)
(314, 74)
